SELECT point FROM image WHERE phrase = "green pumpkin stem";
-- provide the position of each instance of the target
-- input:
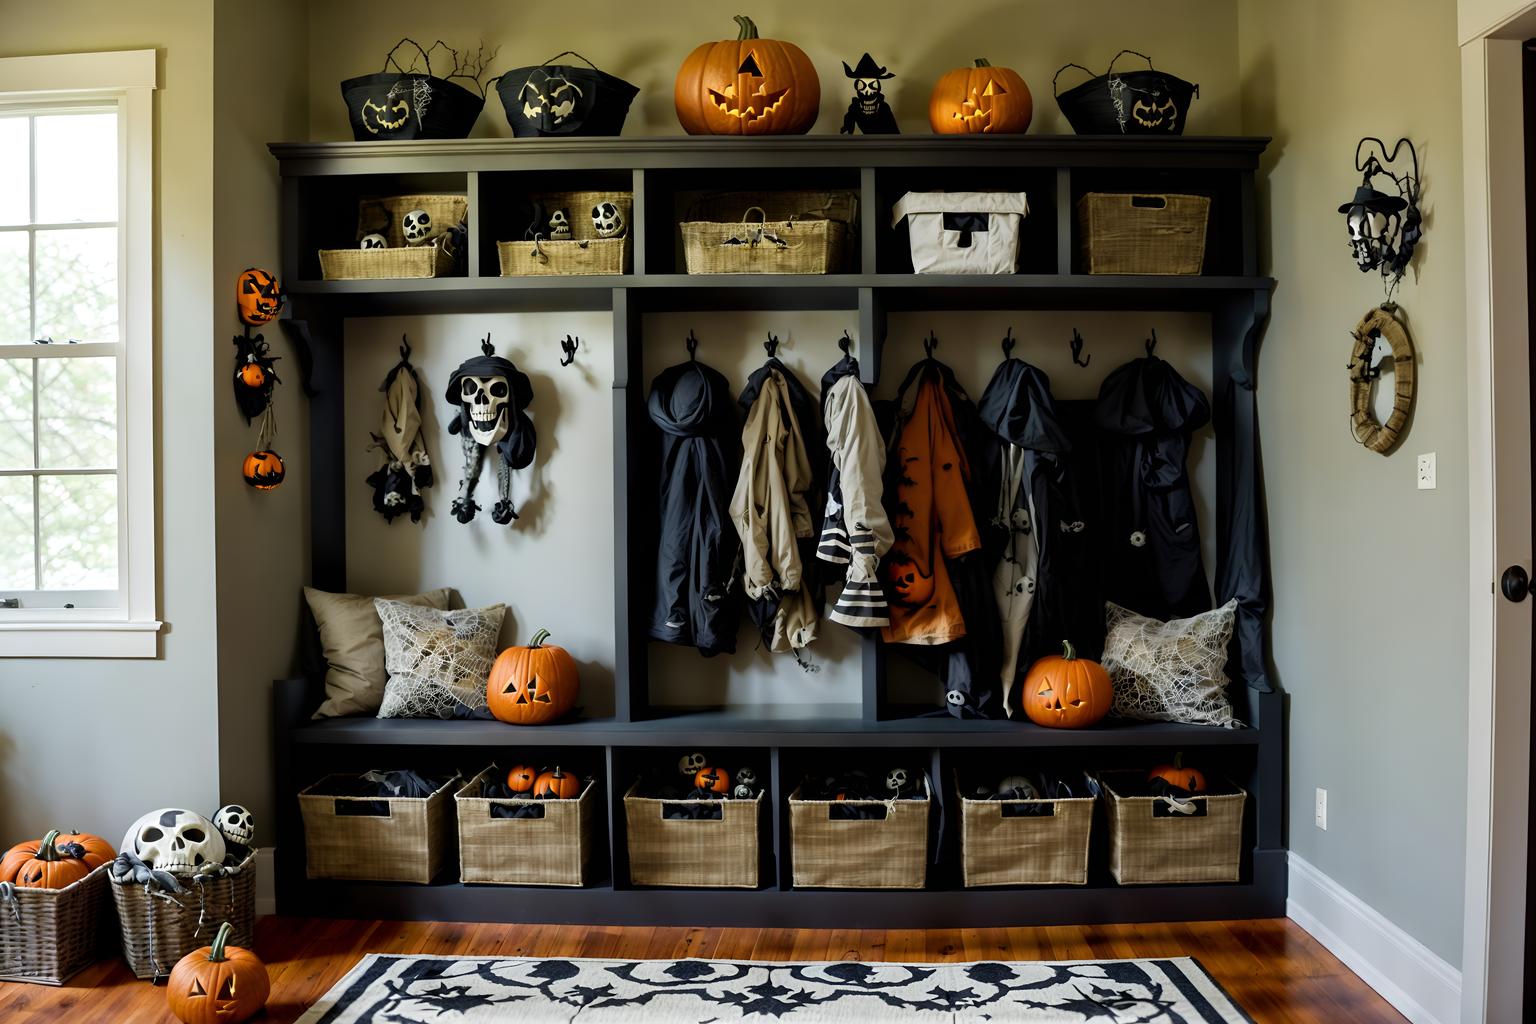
(748, 29)
(982, 62)
(216, 952)
(45, 849)
(539, 638)
(1178, 760)
(1068, 652)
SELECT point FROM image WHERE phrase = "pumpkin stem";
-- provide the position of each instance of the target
(216, 952)
(1068, 652)
(1178, 759)
(539, 638)
(982, 62)
(45, 849)
(748, 29)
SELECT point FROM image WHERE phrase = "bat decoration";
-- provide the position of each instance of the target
(254, 375)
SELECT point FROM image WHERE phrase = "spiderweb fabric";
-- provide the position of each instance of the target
(436, 659)
(1171, 671)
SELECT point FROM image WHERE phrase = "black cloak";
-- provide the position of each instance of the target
(698, 555)
(517, 447)
(1151, 545)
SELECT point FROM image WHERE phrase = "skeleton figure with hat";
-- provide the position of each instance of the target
(490, 397)
(868, 110)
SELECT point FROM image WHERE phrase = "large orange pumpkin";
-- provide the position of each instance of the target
(218, 984)
(557, 785)
(40, 864)
(1067, 692)
(94, 850)
(747, 86)
(981, 100)
(532, 685)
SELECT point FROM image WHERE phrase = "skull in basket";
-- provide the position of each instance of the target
(897, 780)
(235, 824)
(607, 220)
(416, 226)
(560, 226)
(691, 764)
(179, 841)
(485, 408)
(373, 241)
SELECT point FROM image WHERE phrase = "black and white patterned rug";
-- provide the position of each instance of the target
(385, 989)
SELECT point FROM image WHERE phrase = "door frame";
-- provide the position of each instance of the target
(1499, 498)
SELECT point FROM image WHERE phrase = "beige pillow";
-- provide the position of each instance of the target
(437, 660)
(1172, 671)
(352, 638)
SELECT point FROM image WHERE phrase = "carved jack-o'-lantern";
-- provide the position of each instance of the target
(263, 470)
(1067, 692)
(981, 99)
(908, 585)
(218, 984)
(258, 296)
(747, 86)
(715, 780)
(534, 684)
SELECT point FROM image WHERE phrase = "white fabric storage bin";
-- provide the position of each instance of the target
(963, 232)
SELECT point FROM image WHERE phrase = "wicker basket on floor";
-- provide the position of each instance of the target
(47, 935)
(1142, 234)
(693, 853)
(160, 928)
(1151, 843)
(872, 853)
(553, 850)
(378, 839)
(1047, 847)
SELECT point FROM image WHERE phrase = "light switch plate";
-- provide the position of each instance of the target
(1322, 809)
(1427, 471)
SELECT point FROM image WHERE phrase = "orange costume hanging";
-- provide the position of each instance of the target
(932, 520)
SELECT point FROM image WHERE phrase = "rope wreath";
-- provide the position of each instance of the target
(1383, 324)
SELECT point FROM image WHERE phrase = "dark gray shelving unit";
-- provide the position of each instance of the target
(321, 185)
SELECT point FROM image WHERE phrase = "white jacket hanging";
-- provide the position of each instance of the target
(963, 232)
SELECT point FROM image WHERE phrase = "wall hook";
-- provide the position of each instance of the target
(568, 345)
(405, 349)
(1152, 342)
(930, 343)
(1077, 350)
(845, 343)
(692, 343)
(771, 346)
(1008, 342)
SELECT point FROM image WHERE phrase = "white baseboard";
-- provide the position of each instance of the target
(1422, 986)
(266, 887)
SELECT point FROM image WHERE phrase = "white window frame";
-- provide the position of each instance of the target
(126, 79)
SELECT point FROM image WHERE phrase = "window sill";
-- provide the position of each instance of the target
(79, 639)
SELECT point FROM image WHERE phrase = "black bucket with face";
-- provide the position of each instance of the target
(399, 104)
(1146, 102)
(563, 99)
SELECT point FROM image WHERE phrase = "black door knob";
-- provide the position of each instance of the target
(1515, 584)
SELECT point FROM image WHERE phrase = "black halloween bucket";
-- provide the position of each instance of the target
(1127, 103)
(564, 99)
(397, 104)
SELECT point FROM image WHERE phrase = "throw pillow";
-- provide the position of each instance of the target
(352, 639)
(436, 660)
(1171, 671)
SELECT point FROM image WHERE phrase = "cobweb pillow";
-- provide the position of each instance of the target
(436, 659)
(1171, 671)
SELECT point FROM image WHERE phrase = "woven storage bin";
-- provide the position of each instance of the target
(46, 935)
(409, 843)
(382, 215)
(889, 853)
(1030, 849)
(543, 257)
(764, 246)
(1119, 233)
(430, 260)
(1150, 846)
(553, 850)
(792, 204)
(578, 207)
(693, 853)
(160, 928)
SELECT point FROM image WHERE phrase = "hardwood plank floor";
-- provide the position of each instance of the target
(1276, 971)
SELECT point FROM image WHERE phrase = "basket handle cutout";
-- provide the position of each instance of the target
(1169, 807)
(534, 806)
(353, 808)
(1149, 202)
(870, 812)
(1028, 809)
(714, 812)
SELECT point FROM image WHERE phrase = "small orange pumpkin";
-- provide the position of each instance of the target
(40, 864)
(521, 778)
(532, 685)
(252, 375)
(218, 984)
(747, 86)
(258, 296)
(1067, 692)
(981, 100)
(557, 785)
(263, 470)
(1191, 780)
(716, 780)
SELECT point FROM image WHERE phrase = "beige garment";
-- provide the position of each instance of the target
(858, 452)
(352, 638)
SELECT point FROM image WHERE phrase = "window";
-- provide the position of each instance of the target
(76, 478)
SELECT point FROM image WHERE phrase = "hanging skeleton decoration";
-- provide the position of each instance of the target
(1384, 229)
(406, 470)
(254, 375)
(491, 397)
(868, 111)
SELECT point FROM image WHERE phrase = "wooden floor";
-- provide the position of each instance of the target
(1276, 971)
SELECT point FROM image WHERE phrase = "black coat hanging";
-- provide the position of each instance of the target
(1150, 550)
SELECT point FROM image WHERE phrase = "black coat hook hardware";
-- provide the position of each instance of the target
(568, 345)
(1077, 350)
(405, 349)
(692, 343)
(1152, 342)
(929, 344)
(845, 342)
(771, 346)
(1008, 342)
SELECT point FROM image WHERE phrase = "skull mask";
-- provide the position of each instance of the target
(373, 241)
(691, 764)
(746, 777)
(867, 92)
(174, 840)
(235, 824)
(560, 225)
(607, 220)
(485, 402)
(897, 780)
(416, 225)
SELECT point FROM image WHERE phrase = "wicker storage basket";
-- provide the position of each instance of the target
(1119, 233)
(706, 854)
(1152, 844)
(578, 207)
(888, 853)
(540, 256)
(1040, 848)
(382, 839)
(764, 246)
(553, 850)
(382, 215)
(46, 935)
(160, 928)
(792, 204)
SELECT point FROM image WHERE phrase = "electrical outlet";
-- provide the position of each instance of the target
(1322, 809)
(1427, 471)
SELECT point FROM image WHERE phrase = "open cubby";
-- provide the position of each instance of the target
(322, 182)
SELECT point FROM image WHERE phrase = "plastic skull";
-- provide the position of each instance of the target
(485, 407)
(175, 840)
(746, 777)
(235, 824)
(373, 241)
(896, 780)
(607, 220)
(560, 226)
(743, 792)
(692, 764)
(416, 225)
(1018, 787)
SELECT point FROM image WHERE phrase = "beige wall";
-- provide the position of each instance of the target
(1370, 625)
(78, 739)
